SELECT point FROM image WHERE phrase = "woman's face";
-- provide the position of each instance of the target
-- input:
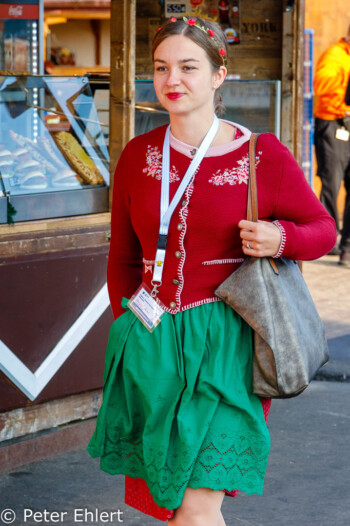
(183, 76)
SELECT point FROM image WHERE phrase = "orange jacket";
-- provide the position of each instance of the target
(331, 80)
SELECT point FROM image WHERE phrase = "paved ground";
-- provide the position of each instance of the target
(329, 284)
(307, 480)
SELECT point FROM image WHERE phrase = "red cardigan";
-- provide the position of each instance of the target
(204, 246)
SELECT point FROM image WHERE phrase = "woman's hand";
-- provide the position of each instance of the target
(263, 238)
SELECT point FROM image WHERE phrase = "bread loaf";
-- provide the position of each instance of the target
(78, 158)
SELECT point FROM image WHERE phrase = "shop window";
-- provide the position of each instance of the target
(54, 159)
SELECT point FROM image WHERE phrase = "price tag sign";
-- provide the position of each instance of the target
(177, 8)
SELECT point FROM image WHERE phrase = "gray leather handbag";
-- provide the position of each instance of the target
(272, 297)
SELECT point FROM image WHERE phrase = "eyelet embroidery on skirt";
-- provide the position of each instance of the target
(225, 459)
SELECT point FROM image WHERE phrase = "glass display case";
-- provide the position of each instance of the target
(252, 103)
(54, 159)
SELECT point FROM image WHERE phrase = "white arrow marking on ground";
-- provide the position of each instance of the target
(31, 384)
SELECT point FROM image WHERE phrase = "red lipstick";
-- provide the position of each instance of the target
(174, 95)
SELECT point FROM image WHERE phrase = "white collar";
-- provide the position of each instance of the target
(214, 151)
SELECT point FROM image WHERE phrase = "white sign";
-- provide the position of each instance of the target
(177, 8)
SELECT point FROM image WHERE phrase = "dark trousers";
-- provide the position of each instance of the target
(345, 238)
(333, 166)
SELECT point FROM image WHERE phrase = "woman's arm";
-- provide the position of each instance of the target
(304, 230)
(124, 268)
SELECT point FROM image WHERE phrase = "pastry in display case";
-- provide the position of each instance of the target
(54, 159)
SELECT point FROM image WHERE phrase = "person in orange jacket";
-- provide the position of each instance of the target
(332, 134)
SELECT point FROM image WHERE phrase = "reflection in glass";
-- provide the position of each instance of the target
(50, 135)
(251, 103)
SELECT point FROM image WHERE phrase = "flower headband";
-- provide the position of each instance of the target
(195, 23)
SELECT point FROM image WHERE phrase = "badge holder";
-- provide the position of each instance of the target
(342, 134)
(149, 310)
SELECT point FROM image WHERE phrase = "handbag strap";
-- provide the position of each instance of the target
(252, 203)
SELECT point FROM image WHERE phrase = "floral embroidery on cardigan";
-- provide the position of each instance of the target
(239, 174)
(154, 165)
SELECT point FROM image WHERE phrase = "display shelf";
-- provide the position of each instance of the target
(54, 159)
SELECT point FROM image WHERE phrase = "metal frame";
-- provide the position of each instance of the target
(50, 205)
(41, 37)
(278, 110)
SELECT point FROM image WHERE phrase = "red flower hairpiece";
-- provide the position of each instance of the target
(195, 23)
(173, 19)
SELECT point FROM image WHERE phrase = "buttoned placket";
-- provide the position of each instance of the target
(166, 209)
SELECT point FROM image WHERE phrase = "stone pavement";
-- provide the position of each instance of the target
(306, 484)
(329, 284)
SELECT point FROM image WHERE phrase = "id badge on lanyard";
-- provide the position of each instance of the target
(144, 302)
(149, 310)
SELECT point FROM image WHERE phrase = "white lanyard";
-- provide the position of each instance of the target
(166, 210)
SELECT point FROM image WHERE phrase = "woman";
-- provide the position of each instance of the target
(179, 418)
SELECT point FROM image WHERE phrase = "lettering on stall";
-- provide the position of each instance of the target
(28, 10)
(15, 11)
(263, 27)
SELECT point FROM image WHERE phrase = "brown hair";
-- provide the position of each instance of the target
(202, 39)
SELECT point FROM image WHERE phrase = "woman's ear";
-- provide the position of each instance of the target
(219, 76)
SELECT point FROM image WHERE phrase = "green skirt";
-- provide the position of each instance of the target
(178, 408)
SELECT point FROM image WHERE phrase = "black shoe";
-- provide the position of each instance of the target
(344, 258)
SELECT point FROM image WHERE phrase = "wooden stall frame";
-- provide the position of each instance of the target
(122, 87)
(52, 225)
(292, 79)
